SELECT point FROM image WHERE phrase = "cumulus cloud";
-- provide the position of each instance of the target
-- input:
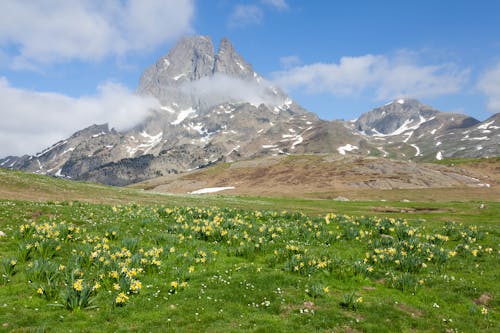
(244, 15)
(489, 84)
(34, 120)
(278, 4)
(385, 77)
(49, 31)
(221, 88)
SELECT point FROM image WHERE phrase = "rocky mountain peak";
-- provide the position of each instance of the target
(229, 62)
(394, 115)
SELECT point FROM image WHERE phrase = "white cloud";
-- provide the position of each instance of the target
(244, 15)
(50, 31)
(221, 88)
(384, 77)
(290, 61)
(278, 4)
(34, 120)
(489, 84)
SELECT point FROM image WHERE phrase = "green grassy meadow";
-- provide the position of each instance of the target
(102, 259)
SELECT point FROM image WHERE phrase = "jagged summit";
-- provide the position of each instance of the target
(229, 62)
(193, 58)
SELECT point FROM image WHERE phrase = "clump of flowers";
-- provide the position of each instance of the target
(121, 299)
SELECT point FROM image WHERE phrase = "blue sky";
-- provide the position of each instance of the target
(336, 58)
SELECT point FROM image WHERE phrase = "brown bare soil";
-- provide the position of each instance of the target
(330, 177)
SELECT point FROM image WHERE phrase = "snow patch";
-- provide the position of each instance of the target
(60, 143)
(98, 134)
(347, 147)
(168, 109)
(269, 146)
(212, 190)
(150, 142)
(403, 128)
(486, 125)
(298, 140)
(439, 156)
(383, 151)
(401, 101)
(417, 149)
(183, 115)
(59, 174)
(475, 139)
(179, 76)
(68, 150)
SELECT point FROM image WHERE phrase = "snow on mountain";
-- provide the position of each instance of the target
(215, 107)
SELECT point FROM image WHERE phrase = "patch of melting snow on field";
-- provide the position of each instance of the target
(383, 151)
(347, 147)
(212, 190)
(439, 156)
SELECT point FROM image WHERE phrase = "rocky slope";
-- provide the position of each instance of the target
(215, 107)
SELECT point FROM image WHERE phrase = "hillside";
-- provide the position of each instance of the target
(330, 176)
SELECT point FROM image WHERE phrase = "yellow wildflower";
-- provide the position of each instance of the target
(136, 285)
(78, 285)
(121, 298)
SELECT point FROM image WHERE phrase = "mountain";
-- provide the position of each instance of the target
(406, 128)
(215, 107)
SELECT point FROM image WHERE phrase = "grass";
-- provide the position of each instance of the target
(466, 160)
(221, 263)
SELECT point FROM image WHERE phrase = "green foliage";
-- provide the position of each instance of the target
(214, 269)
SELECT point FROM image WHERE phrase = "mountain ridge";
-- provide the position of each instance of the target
(215, 107)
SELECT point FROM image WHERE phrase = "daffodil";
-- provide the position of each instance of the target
(78, 285)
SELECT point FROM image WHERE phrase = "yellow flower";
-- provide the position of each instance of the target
(191, 269)
(121, 298)
(96, 286)
(78, 285)
(484, 311)
(174, 284)
(172, 249)
(136, 285)
(62, 267)
(13, 262)
(184, 284)
(359, 300)
(116, 286)
(39, 291)
(326, 290)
